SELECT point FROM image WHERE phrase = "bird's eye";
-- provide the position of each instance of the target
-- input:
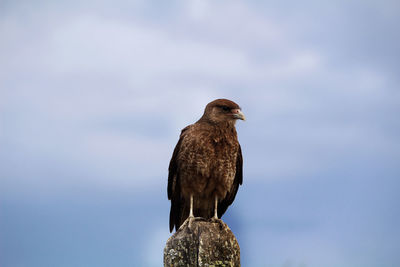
(225, 108)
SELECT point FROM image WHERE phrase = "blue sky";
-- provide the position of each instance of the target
(93, 95)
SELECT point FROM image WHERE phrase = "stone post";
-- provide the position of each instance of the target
(205, 243)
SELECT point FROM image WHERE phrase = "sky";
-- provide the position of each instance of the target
(93, 95)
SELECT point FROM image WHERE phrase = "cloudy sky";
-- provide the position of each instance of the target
(93, 95)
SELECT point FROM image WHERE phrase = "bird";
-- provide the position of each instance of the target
(206, 167)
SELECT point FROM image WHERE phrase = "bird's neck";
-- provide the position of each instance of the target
(220, 128)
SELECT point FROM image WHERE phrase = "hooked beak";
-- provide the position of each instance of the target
(238, 114)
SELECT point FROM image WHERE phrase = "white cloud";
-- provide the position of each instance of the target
(87, 69)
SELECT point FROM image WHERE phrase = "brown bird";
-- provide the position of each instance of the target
(205, 170)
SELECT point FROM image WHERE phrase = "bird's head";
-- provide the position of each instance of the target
(223, 110)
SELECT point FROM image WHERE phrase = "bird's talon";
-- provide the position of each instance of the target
(213, 219)
(190, 219)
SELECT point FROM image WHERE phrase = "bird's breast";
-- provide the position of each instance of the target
(208, 164)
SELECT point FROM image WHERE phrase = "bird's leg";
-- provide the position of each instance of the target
(191, 217)
(191, 207)
(216, 208)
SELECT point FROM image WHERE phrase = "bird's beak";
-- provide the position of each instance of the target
(238, 114)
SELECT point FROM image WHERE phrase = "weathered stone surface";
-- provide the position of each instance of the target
(205, 243)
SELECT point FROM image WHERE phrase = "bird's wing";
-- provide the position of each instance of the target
(174, 189)
(230, 196)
